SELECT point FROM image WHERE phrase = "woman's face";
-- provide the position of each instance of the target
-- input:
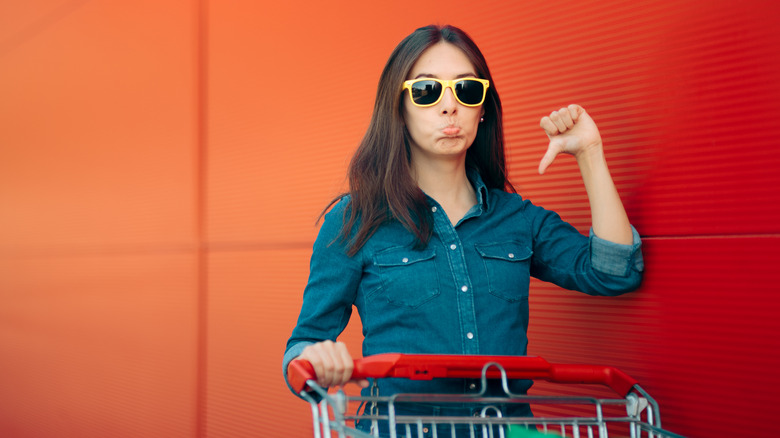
(447, 129)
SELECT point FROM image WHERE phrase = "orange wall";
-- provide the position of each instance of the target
(162, 165)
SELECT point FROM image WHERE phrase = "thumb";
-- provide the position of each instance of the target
(552, 151)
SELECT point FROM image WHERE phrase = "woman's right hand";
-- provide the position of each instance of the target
(332, 363)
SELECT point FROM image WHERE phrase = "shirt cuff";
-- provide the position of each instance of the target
(614, 258)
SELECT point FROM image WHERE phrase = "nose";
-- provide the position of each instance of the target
(448, 104)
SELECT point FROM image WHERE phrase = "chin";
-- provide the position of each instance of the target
(453, 144)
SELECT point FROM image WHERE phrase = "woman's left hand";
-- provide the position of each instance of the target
(571, 131)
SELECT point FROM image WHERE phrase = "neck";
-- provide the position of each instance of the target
(446, 182)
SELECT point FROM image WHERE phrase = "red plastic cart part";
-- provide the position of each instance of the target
(426, 367)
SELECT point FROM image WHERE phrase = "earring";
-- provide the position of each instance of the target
(481, 119)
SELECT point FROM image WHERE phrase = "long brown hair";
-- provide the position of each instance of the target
(381, 186)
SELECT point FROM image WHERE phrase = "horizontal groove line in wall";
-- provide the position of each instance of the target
(566, 321)
(95, 250)
(543, 61)
(737, 67)
(608, 78)
(621, 142)
(621, 167)
(705, 27)
(720, 138)
(538, 12)
(259, 246)
(601, 24)
(707, 51)
(736, 100)
(761, 179)
(561, 182)
(609, 53)
(704, 176)
(151, 250)
(588, 74)
(606, 106)
(574, 199)
(608, 117)
(713, 236)
(701, 216)
(575, 303)
(698, 48)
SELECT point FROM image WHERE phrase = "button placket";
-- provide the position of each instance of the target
(448, 235)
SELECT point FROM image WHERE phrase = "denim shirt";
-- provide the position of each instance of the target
(466, 292)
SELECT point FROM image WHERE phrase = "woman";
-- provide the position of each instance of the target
(429, 246)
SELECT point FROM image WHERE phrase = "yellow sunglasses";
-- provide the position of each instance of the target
(426, 92)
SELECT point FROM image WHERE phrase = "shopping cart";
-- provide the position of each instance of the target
(632, 413)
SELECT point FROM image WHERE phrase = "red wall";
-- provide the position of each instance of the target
(162, 165)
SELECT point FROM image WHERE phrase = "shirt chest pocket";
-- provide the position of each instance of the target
(508, 269)
(407, 277)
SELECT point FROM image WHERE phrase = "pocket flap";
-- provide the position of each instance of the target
(508, 251)
(402, 256)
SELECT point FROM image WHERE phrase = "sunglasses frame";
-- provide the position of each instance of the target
(447, 84)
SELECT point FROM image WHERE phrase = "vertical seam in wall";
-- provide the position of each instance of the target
(201, 171)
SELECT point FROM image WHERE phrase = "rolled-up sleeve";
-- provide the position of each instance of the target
(589, 264)
(616, 259)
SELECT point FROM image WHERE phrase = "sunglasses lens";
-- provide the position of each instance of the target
(470, 92)
(425, 92)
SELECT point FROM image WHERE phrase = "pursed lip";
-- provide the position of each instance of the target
(450, 131)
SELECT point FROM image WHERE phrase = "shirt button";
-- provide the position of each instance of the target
(433, 209)
(425, 430)
(470, 335)
(473, 386)
(464, 288)
(405, 260)
(511, 256)
(453, 246)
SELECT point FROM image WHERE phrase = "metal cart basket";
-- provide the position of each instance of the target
(631, 413)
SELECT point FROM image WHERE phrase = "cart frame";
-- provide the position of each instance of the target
(331, 410)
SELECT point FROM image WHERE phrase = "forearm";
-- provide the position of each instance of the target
(608, 216)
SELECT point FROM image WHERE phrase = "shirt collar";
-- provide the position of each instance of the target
(479, 186)
(480, 189)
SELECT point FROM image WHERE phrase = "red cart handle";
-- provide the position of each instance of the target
(426, 367)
